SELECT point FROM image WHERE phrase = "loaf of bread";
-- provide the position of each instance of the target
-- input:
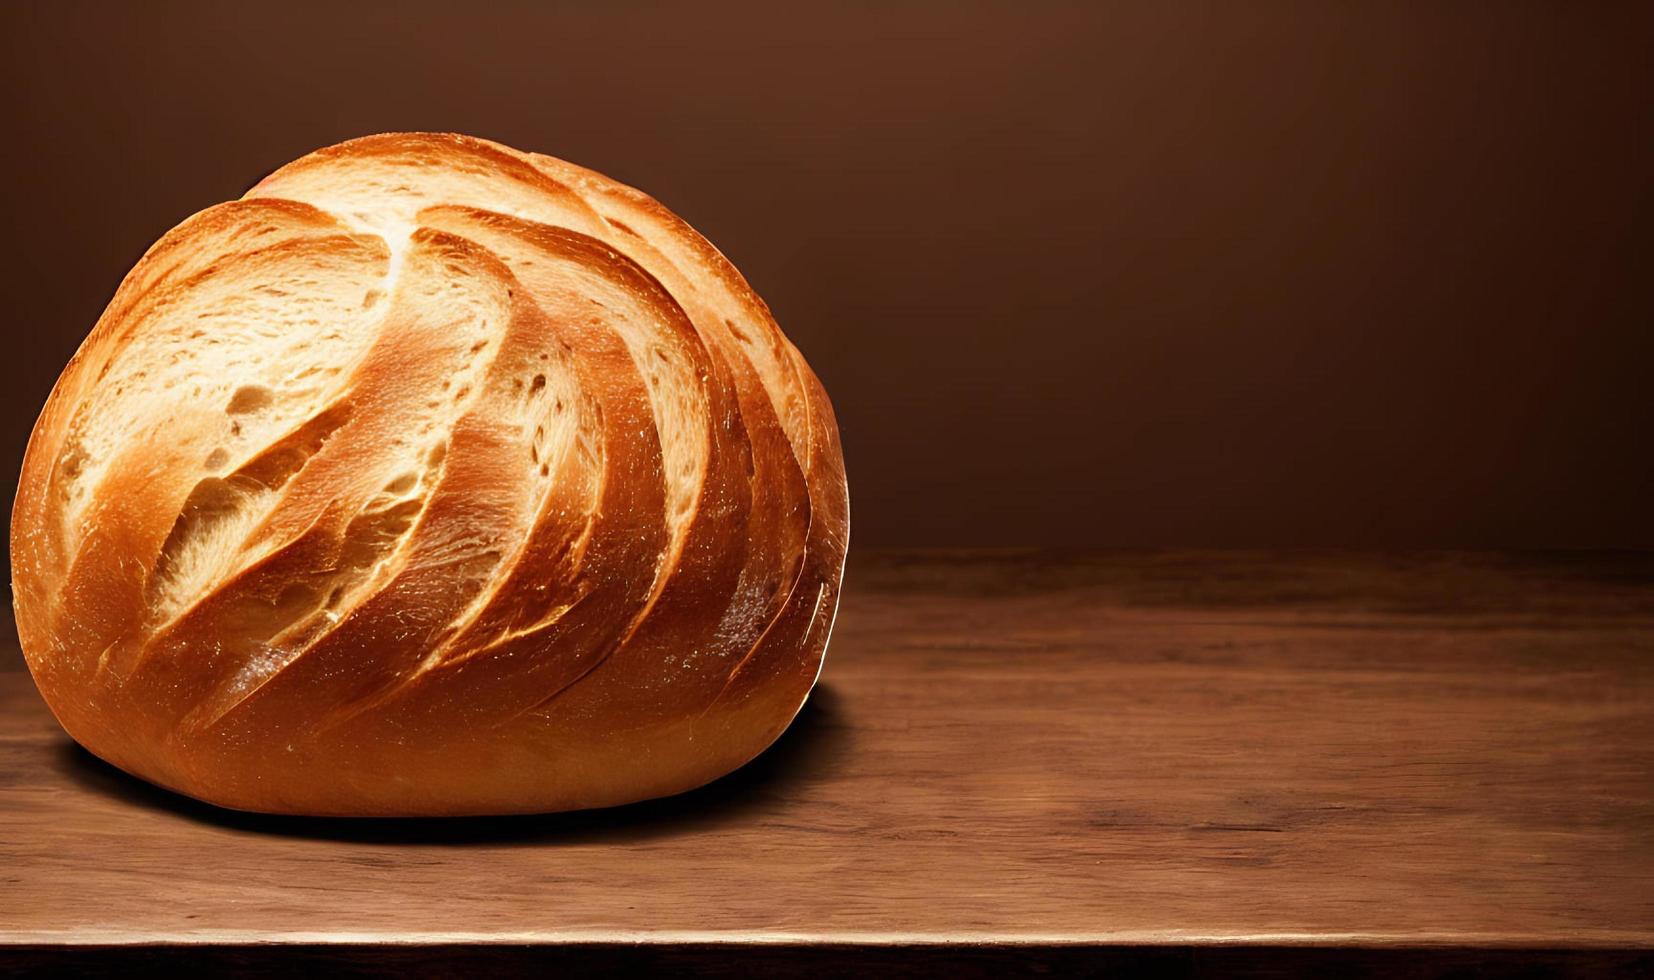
(431, 477)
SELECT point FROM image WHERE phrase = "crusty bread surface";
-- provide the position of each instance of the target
(430, 478)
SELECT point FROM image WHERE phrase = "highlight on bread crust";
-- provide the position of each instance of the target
(430, 478)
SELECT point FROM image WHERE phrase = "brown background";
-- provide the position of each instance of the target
(1116, 274)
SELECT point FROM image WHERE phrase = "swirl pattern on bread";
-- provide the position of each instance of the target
(430, 477)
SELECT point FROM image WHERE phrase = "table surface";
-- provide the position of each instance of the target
(1007, 750)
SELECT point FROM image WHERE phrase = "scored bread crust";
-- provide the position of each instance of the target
(431, 478)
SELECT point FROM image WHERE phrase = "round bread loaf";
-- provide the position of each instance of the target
(430, 478)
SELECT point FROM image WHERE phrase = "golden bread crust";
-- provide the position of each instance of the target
(430, 478)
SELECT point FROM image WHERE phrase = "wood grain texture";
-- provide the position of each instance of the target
(1030, 759)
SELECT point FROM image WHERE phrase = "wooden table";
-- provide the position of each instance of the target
(1173, 762)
